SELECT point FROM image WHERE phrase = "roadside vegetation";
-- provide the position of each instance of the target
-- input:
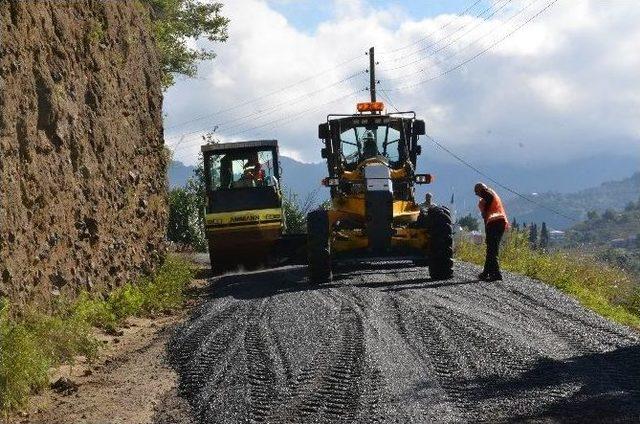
(604, 288)
(186, 211)
(613, 236)
(33, 342)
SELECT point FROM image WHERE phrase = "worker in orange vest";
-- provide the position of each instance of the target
(495, 224)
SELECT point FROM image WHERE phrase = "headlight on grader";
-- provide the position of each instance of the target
(424, 178)
(330, 182)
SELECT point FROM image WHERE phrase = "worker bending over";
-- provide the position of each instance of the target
(495, 224)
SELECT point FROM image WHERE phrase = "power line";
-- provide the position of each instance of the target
(457, 52)
(255, 99)
(272, 109)
(477, 55)
(386, 96)
(416, 53)
(196, 135)
(496, 182)
(282, 121)
(461, 13)
(478, 171)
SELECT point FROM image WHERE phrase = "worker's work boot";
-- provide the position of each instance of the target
(483, 276)
(494, 277)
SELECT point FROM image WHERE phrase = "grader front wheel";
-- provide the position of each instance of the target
(318, 248)
(440, 252)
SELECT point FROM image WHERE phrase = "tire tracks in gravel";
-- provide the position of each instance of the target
(261, 372)
(337, 384)
(393, 346)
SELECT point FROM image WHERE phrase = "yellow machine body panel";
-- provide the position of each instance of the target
(353, 207)
(245, 234)
(348, 240)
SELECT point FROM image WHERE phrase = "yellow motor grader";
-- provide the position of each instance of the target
(371, 160)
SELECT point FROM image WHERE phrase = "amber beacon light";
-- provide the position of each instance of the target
(370, 107)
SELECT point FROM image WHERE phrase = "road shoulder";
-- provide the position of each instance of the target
(130, 382)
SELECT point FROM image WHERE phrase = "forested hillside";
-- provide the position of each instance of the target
(612, 195)
(613, 235)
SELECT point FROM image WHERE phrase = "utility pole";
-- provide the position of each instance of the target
(372, 74)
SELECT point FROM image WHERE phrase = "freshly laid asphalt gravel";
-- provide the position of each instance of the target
(384, 343)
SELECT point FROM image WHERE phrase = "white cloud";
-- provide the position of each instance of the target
(560, 86)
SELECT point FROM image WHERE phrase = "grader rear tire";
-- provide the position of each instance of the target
(318, 248)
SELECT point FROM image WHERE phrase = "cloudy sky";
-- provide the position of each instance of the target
(493, 83)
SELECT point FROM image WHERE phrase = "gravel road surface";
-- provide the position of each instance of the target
(386, 344)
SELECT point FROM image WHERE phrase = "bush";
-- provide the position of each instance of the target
(295, 212)
(603, 288)
(186, 220)
(469, 222)
(33, 343)
(30, 346)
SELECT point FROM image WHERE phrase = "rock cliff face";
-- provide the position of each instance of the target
(82, 163)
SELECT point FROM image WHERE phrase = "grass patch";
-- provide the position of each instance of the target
(605, 289)
(33, 343)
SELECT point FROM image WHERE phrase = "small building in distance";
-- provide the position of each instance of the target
(556, 235)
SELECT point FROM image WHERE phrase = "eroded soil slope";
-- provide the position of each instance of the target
(82, 168)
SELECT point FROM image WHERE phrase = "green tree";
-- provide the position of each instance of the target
(544, 236)
(177, 22)
(184, 219)
(187, 211)
(591, 215)
(469, 222)
(533, 235)
(608, 215)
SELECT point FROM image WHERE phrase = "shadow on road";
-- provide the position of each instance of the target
(608, 387)
(270, 282)
(264, 283)
(414, 284)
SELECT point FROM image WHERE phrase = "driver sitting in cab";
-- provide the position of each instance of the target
(369, 146)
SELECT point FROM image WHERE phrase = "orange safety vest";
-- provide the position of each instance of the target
(495, 211)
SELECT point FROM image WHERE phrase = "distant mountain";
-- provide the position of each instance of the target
(179, 173)
(301, 178)
(613, 195)
(551, 182)
(304, 179)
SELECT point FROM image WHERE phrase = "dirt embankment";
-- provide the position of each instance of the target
(82, 167)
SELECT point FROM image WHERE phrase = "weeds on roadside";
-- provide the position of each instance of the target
(603, 288)
(35, 342)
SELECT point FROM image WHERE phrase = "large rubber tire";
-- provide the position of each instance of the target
(318, 247)
(440, 250)
(219, 264)
(211, 255)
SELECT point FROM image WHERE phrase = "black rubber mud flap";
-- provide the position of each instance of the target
(440, 250)
(379, 213)
(318, 248)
